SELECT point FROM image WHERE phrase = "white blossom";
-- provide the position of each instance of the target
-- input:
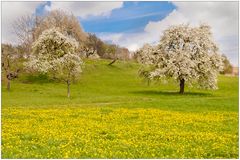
(68, 66)
(184, 53)
(55, 54)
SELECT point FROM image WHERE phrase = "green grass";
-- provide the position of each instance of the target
(156, 118)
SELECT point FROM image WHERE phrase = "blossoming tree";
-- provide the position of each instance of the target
(55, 54)
(186, 54)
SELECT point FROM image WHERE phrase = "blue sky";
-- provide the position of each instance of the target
(132, 17)
(132, 24)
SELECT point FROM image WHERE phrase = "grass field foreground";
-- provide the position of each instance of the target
(114, 114)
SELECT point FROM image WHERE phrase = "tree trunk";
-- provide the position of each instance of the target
(148, 82)
(113, 62)
(8, 84)
(182, 81)
(68, 89)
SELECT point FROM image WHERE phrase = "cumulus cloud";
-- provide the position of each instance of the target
(84, 9)
(155, 29)
(151, 34)
(221, 16)
(11, 11)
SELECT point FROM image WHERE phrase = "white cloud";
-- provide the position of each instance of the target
(151, 34)
(11, 11)
(84, 9)
(221, 16)
(113, 37)
(132, 41)
(155, 29)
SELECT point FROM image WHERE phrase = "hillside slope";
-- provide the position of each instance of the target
(120, 86)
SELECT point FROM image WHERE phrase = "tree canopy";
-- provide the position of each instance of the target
(55, 54)
(186, 54)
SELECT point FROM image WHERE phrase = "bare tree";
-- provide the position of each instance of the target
(95, 45)
(66, 23)
(24, 28)
(28, 28)
(9, 63)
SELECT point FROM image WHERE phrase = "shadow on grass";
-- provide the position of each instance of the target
(37, 78)
(171, 93)
(114, 66)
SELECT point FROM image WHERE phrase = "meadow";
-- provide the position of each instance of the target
(112, 113)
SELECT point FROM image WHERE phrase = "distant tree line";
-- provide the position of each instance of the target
(94, 45)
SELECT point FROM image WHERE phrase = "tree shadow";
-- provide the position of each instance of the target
(170, 93)
(37, 78)
(113, 67)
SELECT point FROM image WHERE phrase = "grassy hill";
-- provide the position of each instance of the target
(112, 113)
